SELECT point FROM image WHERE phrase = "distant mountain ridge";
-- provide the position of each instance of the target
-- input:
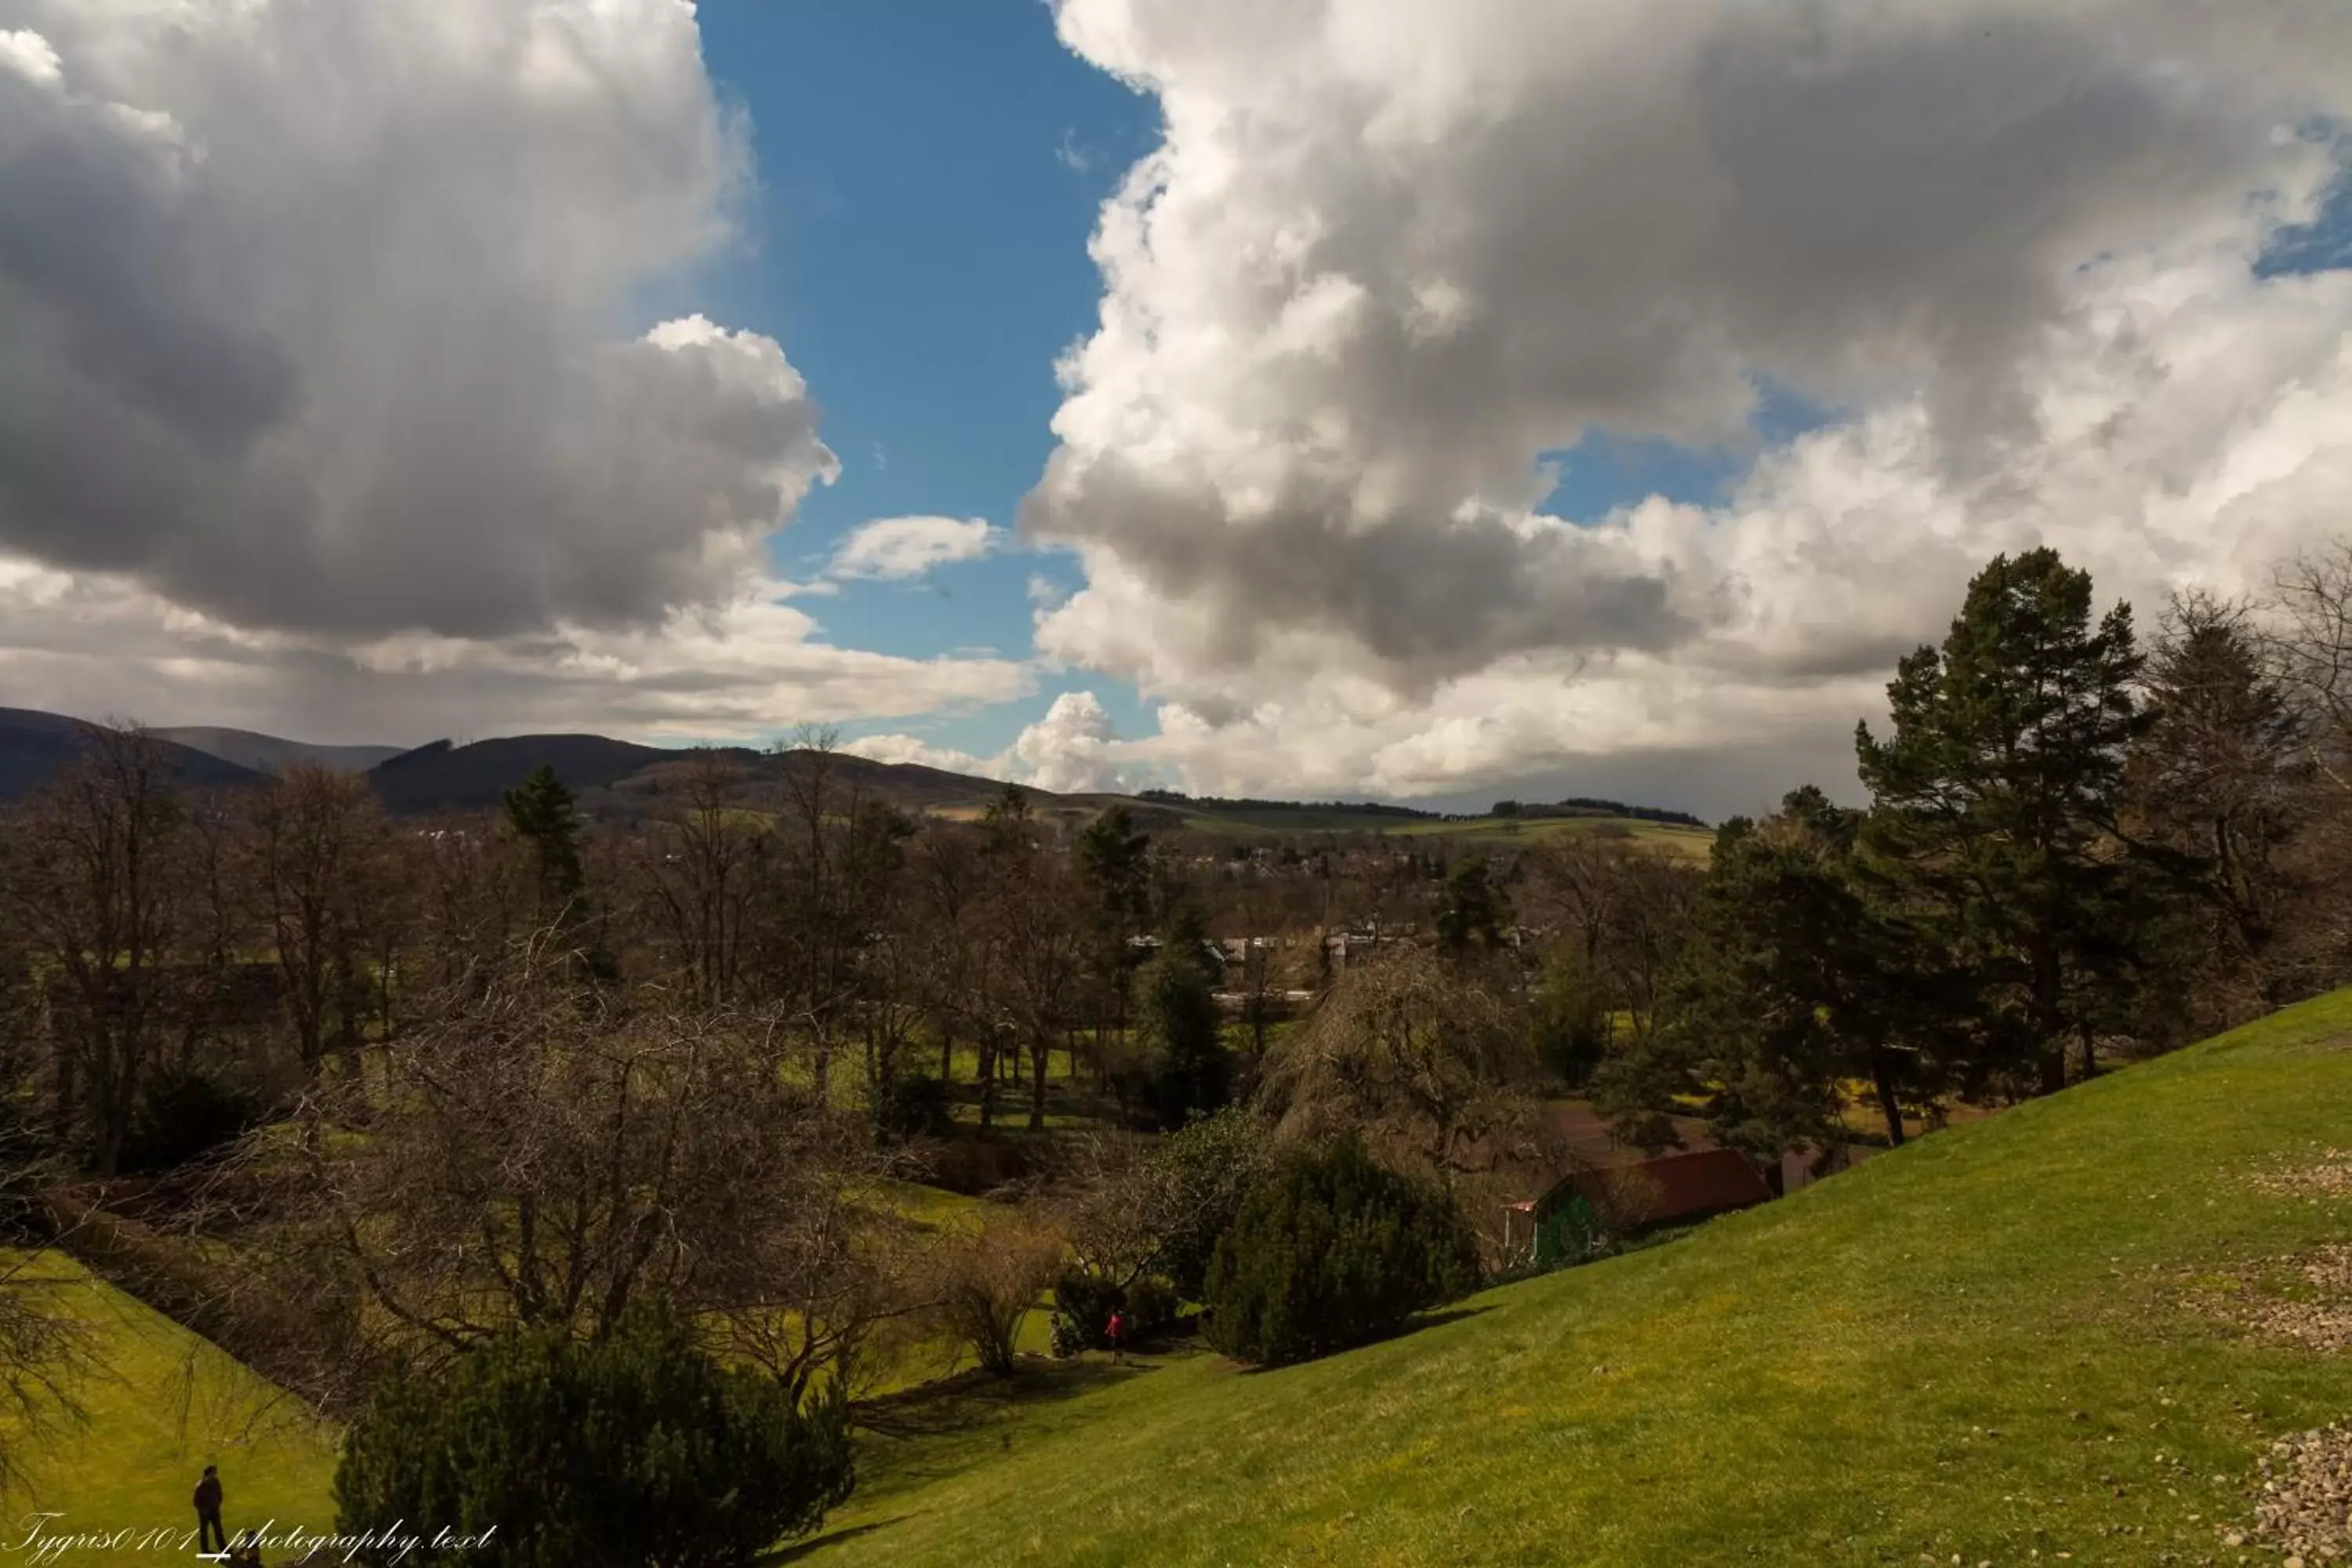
(275, 754)
(625, 780)
(34, 745)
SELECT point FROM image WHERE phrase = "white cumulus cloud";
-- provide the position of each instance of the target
(1392, 258)
(909, 546)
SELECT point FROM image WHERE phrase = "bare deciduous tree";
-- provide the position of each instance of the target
(1425, 1061)
(540, 1155)
(95, 885)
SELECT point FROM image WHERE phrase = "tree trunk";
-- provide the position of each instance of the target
(1890, 1104)
(1037, 1054)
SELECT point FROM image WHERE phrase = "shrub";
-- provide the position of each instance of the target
(987, 1284)
(1084, 1301)
(1331, 1250)
(636, 1447)
(186, 1114)
(913, 1105)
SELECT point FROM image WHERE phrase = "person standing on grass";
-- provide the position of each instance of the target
(1117, 1332)
(210, 1536)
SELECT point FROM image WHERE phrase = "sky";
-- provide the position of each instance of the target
(1344, 398)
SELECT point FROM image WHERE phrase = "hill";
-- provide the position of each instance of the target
(274, 753)
(445, 777)
(35, 745)
(623, 779)
(159, 1405)
(2010, 1339)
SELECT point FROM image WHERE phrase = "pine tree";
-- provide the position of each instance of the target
(1997, 797)
(1470, 911)
(543, 815)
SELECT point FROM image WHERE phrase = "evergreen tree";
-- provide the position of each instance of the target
(1115, 861)
(543, 815)
(1799, 977)
(1179, 1029)
(2221, 781)
(1331, 1250)
(1472, 911)
(1998, 798)
(632, 1449)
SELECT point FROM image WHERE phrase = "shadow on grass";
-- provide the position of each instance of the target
(973, 1400)
(801, 1549)
(1425, 1320)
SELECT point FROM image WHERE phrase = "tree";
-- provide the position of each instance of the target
(1427, 1065)
(319, 833)
(1331, 1250)
(988, 1281)
(1036, 939)
(543, 1157)
(1999, 791)
(1472, 911)
(1141, 1219)
(96, 885)
(2311, 638)
(542, 1451)
(1625, 911)
(2222, 779)
(1114, 863)
(1187, 1068)
(842, 853)
(543, 815)
(703, 861)
(1797, 979)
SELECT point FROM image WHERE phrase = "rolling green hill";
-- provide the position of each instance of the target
(2006, 1343)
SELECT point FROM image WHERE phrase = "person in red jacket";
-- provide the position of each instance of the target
(1117, 1334)
(210, 1536)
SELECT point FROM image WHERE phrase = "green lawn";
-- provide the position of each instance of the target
(1990, 1346)
(1693, 843)
(159, 1405)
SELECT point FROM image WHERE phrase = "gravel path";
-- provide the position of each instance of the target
(2306, 1495)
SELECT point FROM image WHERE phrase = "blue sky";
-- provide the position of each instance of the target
(930, 173)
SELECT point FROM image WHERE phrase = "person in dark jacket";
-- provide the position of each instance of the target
(210, 1536)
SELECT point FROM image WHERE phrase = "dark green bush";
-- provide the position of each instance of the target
(913, 1105)
(186, 1114)
(1331, 1250)
(632, 1449)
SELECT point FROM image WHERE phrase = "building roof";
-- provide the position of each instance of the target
(1674, 1187)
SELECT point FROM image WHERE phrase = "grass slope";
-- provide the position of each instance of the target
(159, 1405)
(1985, 1347)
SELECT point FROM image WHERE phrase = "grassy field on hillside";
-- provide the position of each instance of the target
(1693, 842)
(1997, 1345)
(159, 1405)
